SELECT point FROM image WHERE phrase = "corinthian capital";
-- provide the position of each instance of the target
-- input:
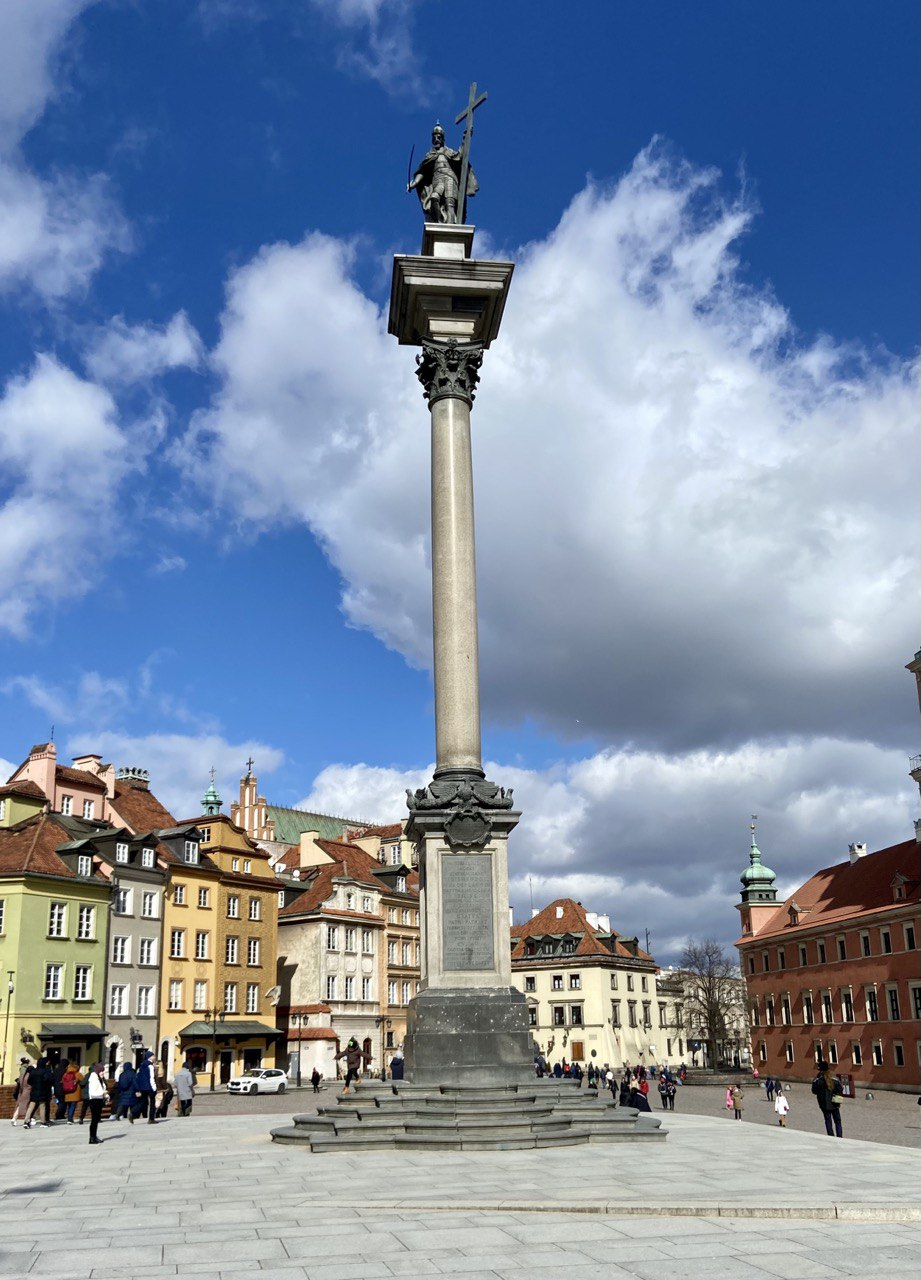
(449, 369)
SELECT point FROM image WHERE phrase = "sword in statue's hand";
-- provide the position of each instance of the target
(409, 169)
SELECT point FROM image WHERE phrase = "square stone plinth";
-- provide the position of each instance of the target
(469, 1036)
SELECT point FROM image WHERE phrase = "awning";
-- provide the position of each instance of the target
(228, 1031)
(70, 1031)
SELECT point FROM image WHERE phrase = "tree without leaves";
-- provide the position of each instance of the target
(714, 992)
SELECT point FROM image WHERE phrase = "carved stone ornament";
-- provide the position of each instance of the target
(449, 369)
(469, 799)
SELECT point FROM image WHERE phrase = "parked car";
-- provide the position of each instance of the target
(260, 1080)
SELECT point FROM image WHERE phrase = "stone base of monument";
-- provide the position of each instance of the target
(468, 1036)
(404, 1116)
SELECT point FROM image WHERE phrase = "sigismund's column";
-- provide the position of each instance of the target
(467, 1026)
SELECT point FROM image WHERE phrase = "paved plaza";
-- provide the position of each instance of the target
(211, 1196)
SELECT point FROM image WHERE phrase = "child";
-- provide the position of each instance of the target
(781, 1106)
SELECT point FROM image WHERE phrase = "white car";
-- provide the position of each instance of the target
(261, 1080)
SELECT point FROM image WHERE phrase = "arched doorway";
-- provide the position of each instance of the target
(366, 1050)
(113, 1059)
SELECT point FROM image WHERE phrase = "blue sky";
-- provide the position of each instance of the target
(693, 440)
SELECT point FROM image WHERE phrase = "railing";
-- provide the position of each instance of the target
(914, 764)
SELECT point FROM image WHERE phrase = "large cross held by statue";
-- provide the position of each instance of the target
(467, 114)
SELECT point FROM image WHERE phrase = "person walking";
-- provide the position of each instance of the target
(671, 1090)
(663, 1092)
(781, 1107)
(737, 1097)
(146, 1086)
(22, 1092)
(769, 1088)
(185, 1089)
(41, 1080)
(126, 1093)
(96, 1092)
(354, 1059)
(827, 1091)
(71, 1080)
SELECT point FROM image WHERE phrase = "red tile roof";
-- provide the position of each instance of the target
(573, 920)
(309, 1008)
(390, 832)
(30, 846)
(312, 1033)
(849, 889)
(140, 810)
(78, 778)
(24, 788)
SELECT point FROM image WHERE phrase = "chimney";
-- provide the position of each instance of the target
(592, 918)
(511, 918)
(857, 851)
(138, 779)
(296, 873)
(559, 913)
(604, 922)
(535, 911)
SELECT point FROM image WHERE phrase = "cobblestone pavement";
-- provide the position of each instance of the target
(212, 1197)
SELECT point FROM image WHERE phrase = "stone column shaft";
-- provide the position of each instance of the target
(454, 603)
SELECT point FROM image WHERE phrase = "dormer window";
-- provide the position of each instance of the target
(84, 865)
(350, 901)
(121, 853)
(568, 946)
(190, 853)
(147, 857)
(401, 884)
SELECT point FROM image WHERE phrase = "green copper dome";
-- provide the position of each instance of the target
(757, 873)
(211, 801)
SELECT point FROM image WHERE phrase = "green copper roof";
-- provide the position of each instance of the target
(211, 801)
(757, 872)
(290, 823)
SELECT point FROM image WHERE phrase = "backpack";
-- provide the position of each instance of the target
(68, 1082)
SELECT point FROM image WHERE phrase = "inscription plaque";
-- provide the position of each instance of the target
(467, 911)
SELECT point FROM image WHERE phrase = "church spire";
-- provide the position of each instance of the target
(757, 879)
(211, 801)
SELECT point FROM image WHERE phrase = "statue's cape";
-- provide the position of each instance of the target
(426, 168)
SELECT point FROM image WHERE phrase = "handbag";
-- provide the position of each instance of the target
(837, 1099)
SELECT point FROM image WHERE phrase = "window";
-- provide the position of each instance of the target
(872, 1006)
(121, 950)
(785, 1009)
(255, 909)
(84, 865)
(532, 1016)
(67, 805)
(916, 1002)
(367, 942)
(332, 938)
(331, 986)
(762, 1051)
(391, 953)
(807, 1010)
(629, 981)
(892, 996)
(2, 810)
(404, 992)
(149, 906)
(366, 904)
(350, 902)
(404, 916)
(842, 948)
(559, 1016)
(391, 915)
(756, 1015)
(877, 1053)
(247, 866)
(179, 895)
(252, 951)
(230, 997)
(391, 993)
(788, 1051)
(145, 1002)
(350, 939)
(751, 964)
(828, 1013)
(644, 984)
(765, 962)
(856, 1055)
(406, 953)
(575, 1015)
(121, 853)
(647, 1014)
(83, 982)
(233, 907)
(556, 982)
(575, 981)
(394, 855)
(832, 1053)
(281, 898)
(885, 938)
(2, 912)
(615, 1013)
(231, 950)
(803, 959)
(177, 943)
(54, 978)
(118, 1001)
(205, 835)
(821, 951)
(147, 951)
(121, 902)
(201, 944)
(200, 996)
(366, 988)
(781, 958)
(909, 930)
(899, 1053)
(401, 884)
(865, 944)
(175, 994)
(204, 898)
(568, 947)
(769, 1010)
(190, 853)
(147, 857)
(530, 984)
(86, 923)
(87, 808)
(252, 997)
(57, 919)
(235, 864)
(631, 1012)
(613, 981)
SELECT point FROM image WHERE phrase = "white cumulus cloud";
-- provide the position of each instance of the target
(123, 353)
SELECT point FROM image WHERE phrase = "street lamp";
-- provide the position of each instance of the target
(6, 1027)
(214, 1016)
(296, 1020)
